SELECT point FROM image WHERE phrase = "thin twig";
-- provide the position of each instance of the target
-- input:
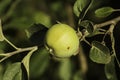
(3, 54)
(17, 52)
(113, 43)
(83, 14)
(116, 9)
(10, 43)
(1, 32)
(112, 23)
(4, 38)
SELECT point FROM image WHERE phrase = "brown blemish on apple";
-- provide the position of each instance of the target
(68, 47)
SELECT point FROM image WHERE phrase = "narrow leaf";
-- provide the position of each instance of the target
(26, 60)
(104, 12)
(99, 53)
(110, 70)
(78, 6)
(12, 71)
(1, 33)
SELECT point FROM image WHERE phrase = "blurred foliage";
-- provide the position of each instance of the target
(25, 23)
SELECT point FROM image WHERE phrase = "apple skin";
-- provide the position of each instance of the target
(62, 41)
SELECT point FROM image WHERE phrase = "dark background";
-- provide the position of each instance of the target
(22, 18)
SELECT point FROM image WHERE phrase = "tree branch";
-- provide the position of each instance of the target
(7, 55)
(112, 21)
(83, 61)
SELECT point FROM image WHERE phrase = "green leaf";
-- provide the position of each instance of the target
(1, 71)
(42, 18)
(12, 71)
(56, 6)
(79, 5)
(90, 31)
(110, 70)
(1, 33)
(2, 47)
(104, 12)
(88, 25)
(18, 75)
(65, 69)
(39, 63)
(21, 22)
(26, 60)
(99, 53)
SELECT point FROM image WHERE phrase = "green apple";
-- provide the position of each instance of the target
(62, 41)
